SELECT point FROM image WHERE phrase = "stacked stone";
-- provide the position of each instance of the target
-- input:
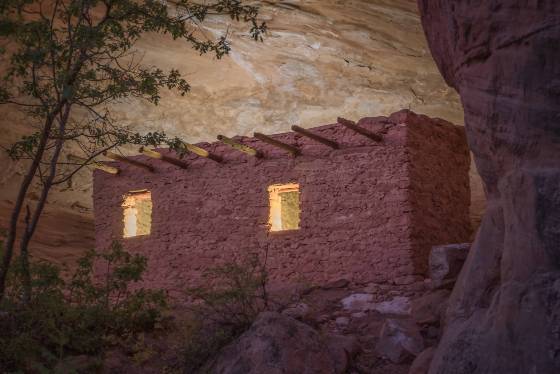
(362, 206)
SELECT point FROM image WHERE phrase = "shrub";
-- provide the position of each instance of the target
(83, 315)
(236, 294)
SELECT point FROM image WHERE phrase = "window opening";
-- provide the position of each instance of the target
(284, 207)
(137, 213)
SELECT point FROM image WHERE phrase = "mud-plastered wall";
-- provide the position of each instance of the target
(356, 208)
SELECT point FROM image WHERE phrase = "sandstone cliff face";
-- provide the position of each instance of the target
(322, 59)
(503, 58)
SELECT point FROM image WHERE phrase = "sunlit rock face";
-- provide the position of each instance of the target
(321, 59)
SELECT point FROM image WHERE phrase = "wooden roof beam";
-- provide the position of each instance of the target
(240, 147)
(360, 130)
(96, 164)
(318, 138)
(201, 152)
(267, 139)
(158, 156)
(138, 164)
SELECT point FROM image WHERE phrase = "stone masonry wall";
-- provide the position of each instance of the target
(356, 208)
(439, 191)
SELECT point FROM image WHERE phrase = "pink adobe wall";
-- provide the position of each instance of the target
(439, 190)
(360, 205)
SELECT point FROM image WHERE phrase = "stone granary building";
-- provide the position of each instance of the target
(364, 202)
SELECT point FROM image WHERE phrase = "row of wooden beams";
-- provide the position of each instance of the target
(95, 164)
(318, 138)
(201, 152)
(158, 156)
(360, 130)
(117, 157)
(267, 139)
(240, 147)
(235, 145)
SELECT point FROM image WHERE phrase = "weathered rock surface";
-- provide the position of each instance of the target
(421, 363)
(62, 237)
(278, 344)
(358, 302)
(399, 305)
(297, 311)
(428, 309)
(502, 57)
(343, 349)
(362, 302)
(351, 343)
(446, 261)
(400, 340)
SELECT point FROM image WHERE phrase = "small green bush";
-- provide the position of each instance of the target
(227, 307)
(83, 315)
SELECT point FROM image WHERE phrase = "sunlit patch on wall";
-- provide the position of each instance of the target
(137, 213)
(284, 207)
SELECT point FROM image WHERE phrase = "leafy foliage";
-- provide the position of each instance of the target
(69, 55)
(78, 316)
(236, 294)
(69, 61)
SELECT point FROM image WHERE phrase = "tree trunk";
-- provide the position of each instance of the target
(28, 179)
(24, 261)
(47, 185)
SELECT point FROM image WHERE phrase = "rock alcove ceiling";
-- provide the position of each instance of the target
(321, 59)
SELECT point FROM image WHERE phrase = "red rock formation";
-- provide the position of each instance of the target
(276, 343)
(503, 58)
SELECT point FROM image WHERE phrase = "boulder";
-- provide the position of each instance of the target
(342, 348)
(340, 283)
(446, 261)
(359, 302)
(363, 302)
(428, 308)
(372, 288)
(399, 305)
(421, 363)
(297, 311)
(399, 340)
(501, 56)
(342, 321)
(278, 344)
(358, 315)
(407, 280)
